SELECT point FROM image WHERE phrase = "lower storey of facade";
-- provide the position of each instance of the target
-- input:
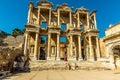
(51, 47)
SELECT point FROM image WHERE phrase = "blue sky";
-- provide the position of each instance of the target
(13, 13)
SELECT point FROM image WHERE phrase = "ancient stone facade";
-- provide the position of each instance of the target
(112, 43)
(79, 29)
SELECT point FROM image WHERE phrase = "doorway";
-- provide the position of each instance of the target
(42, 53)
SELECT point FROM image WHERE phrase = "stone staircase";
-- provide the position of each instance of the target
(69, 65)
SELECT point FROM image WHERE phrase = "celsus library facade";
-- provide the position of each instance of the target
(53, 34)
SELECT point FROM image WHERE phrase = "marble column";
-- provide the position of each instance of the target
(90, 49)
(70, 13)
(58, 18)
(71, 46)
(88, 25)
(49, 16)
(98, 48)
(95, 23)
(78, 21)
(26, 44)
(49, 46)
(36, 46)
(58, 47)
(29, 14)
(38, 16)
(79, 48)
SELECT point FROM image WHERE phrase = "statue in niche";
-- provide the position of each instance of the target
(53, 50)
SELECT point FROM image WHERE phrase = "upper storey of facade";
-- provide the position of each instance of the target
(54, 18)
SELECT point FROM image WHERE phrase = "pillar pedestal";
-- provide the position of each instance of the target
(48, 58)
(57, 59)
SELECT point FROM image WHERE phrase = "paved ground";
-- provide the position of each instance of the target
(67, 75)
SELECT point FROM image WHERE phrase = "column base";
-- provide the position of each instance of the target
(111, 65)
(34, 59)
(80, 59)
(98, 59)
(57, 59)
(91, 59)
(48, 58)
(72, 59)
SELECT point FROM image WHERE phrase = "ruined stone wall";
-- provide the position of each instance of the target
(10, 48)
(7, 56)
(14, 41)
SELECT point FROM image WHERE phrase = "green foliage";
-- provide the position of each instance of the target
(17, 32)
(3, 34)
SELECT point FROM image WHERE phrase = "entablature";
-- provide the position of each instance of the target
(64, 7)
(32, 30)
(54, 31)
(112, 36)
(44, 4)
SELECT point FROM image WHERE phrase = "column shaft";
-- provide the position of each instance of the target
(25, 44)
(58, 47)
(90, 49)
(95, 23)
(49, 46)
(71, 46)
(78, 20)
(36, 47)
(29, 15)
(49, 16)
(98, 48)
(88, 27)
(58, 17)
(79, 48)
(70, 18)
(38, 16)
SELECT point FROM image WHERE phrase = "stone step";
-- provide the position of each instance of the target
(70, 65)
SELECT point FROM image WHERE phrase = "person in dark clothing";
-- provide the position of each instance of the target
(65, 57)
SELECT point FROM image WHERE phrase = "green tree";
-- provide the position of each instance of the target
(17, 32)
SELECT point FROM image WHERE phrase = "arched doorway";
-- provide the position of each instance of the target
(116, 55)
